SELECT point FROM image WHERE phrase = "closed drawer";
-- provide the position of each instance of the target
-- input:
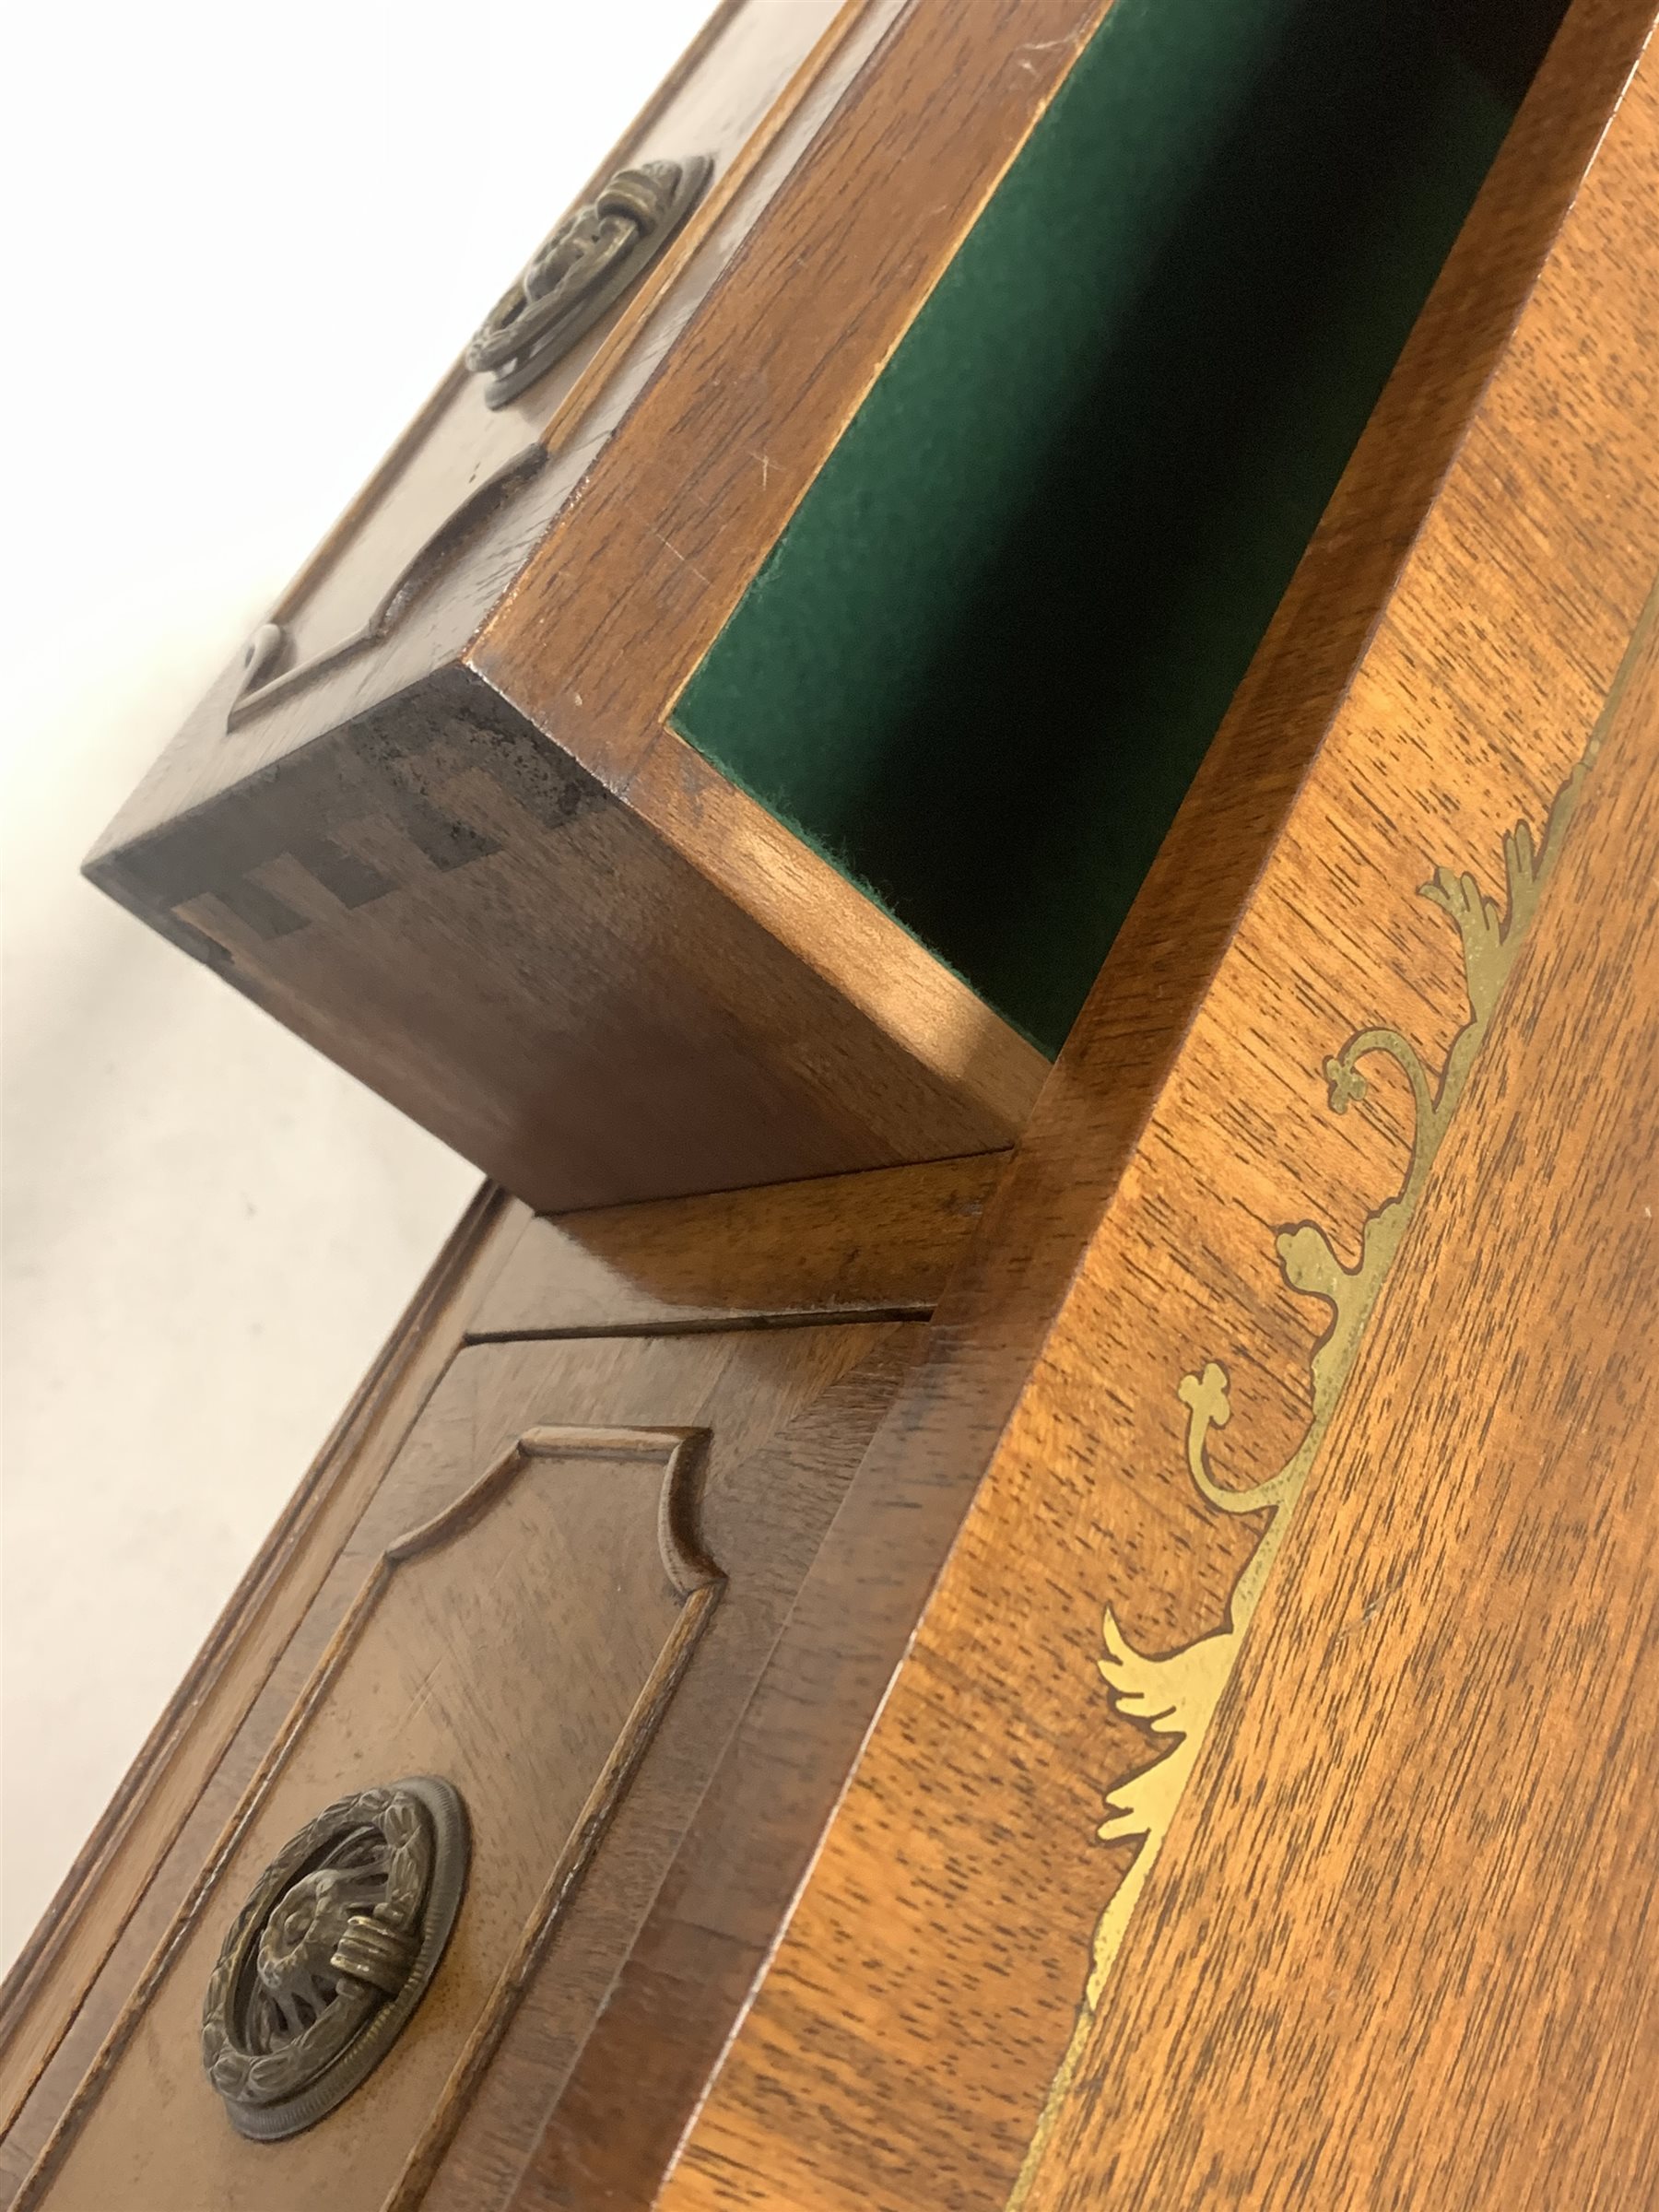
(563, 1593)
(730, 757)
(617, 1447)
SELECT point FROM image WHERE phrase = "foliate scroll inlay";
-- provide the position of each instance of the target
(1174, 1695)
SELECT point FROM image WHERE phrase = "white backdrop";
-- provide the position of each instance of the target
(243, 245)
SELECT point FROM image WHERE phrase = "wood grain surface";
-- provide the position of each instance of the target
(446, 898)
(856, 1910)
(520, 1644)
(633, 994)
(499, 1648)
(740, 79)
(106, 1917)
(1403, 1947)
(845, 1247)
(543, 1573)
(755, 87)
(468, 922)
(1435, 672)
(820, 296)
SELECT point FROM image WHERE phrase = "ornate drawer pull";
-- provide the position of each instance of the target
(580, 268)
(331, 1953)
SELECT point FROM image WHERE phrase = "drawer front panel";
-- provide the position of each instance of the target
(532, 1592)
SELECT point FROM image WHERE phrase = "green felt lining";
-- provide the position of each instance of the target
(982, 664)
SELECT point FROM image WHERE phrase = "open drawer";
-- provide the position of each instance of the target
(1144, 1697)
(726, 750)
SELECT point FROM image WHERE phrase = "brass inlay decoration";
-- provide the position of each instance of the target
(1174, 1695)
(331, 1953)
(581, 269)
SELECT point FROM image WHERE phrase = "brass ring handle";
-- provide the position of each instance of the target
(333, 1949)
(584, 265)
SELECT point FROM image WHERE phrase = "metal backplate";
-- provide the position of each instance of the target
(581, 269)
(333, 1951)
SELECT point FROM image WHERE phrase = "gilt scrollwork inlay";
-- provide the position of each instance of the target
(333, 1949)
(1173, 1696)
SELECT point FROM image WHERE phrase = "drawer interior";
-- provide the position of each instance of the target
(980, 668)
